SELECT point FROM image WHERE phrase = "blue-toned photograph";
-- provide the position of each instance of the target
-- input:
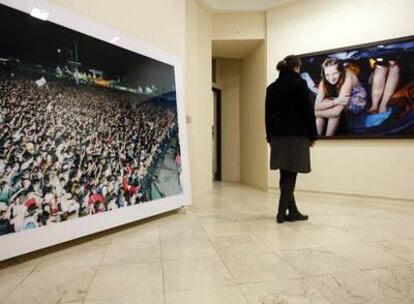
(363, 92)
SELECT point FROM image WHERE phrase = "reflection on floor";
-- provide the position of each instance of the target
(228, 249)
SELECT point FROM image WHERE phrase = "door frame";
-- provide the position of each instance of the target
(217, 175)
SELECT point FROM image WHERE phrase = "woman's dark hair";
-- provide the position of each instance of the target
(289, 63)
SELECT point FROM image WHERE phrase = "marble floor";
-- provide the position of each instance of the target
(228, 249)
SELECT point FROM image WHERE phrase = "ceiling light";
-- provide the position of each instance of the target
(39, 14)
(115, 39)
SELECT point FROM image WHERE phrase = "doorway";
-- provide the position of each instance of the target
(216, 134)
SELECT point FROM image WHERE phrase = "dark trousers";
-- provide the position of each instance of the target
(287, 184)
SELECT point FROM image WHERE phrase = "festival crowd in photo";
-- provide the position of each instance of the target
(69, 151)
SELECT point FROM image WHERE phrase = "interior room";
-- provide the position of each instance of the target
(152, 114)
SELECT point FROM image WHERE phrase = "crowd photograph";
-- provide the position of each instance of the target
(73, 146)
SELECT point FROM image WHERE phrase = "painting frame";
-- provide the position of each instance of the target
(305, 57)
(15, 244)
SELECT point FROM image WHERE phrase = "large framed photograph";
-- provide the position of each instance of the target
(364, 91)
(92, 128)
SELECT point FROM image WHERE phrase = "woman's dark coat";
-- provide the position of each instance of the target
(289, 110)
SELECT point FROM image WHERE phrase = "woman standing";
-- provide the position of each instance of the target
(290, 131)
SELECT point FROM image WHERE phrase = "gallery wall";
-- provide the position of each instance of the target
(243, 84)
(158, 22)
(229, 81)
(237, 26)
(381, 168)
(199, 97)
(253, 149)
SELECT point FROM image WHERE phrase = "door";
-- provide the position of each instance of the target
(216, 134)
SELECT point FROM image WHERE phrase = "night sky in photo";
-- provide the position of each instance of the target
(37, 42)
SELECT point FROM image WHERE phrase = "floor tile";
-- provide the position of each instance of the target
(63, 286)
(330, 236)
(369, 234)
(365, 256)
(187, 248)
(180, 275)
(75, 257)
(403, 249)
(287, 239)
(225, 229)
(239, 244)
(355, 288)
(130, 251)
(138, 299)
(398, 278)
(9, 281)
(316, 261)
(260, 267)
(119, 281)
(286, 291)
(221, 295)
(194, 231)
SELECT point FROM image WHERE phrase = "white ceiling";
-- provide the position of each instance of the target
(242, 5)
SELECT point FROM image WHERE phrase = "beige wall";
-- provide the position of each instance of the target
(253, 147)
(229, 82)
(367, 167)
(242, 157)
(232, 26)
(158, 22)
(199, 97)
